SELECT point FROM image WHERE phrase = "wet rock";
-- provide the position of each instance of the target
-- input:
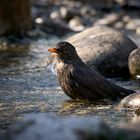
(134, 62)
(134, 124)
(88, 11)
(2, 134)
(131, 131)
(119, 25)
(55, 15)
(138, 30)
(67, 13)
(64, 13)
(76, 24)
(130, 103)
(104, 48)
(137, 112)
(100, 4)
(126, 18)
(135, 3)
(108, 20)
(133, 24)
(44, 126)
(51, 27)
(130, 3)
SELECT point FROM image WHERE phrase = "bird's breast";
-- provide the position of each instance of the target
(64, 78)
(62, 73)
(60, 66)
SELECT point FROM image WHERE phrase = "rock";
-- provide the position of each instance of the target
(67, 13)
(42, 127)
(108, 20)
(130, 3)
(137, 112)
(2, 134)
(138, 30)
(119, 25)
(135, 3)
(134, 63)
(133, 24)
(64, 13)
(104, 48)
(55, 15)
(50, 27)
(134, 124)
(130, 103)
(76, 24)
(88, 11)
(100, 4)
(126, 18)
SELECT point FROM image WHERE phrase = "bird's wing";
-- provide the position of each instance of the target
(93, 81)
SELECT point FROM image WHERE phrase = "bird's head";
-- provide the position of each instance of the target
(64, 51)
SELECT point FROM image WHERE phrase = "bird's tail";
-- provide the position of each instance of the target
(123, 92)
(126, 92)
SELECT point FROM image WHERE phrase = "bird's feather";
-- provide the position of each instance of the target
(96, 83)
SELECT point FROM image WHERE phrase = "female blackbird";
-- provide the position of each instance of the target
(78, 81)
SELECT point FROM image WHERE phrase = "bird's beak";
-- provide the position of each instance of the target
(53, 50)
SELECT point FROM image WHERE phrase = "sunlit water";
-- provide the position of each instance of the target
(28, 84)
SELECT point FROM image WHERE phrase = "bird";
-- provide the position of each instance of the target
(79, 81)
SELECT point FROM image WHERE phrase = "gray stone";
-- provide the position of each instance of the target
(133, 24)
(130, 103)
(76, 24)
(99, 4)
(134, 63)
(104, 48)
(42, 127)
(108, 19)
(49, 127)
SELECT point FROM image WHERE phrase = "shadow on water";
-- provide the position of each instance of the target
(27, 85)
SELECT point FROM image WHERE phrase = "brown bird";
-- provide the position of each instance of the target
(78, 81)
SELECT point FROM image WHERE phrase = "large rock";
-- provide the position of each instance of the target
(104, 48)
(130, 103)
(45, 127)
(134, 63)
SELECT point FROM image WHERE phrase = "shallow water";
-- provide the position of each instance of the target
(27, 84)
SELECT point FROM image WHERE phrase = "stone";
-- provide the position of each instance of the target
(130, 103)
(108, 20)
(134, 63)
(76, 24)
(100, 4)
(126, 18)
(88, 11)
(135, 3)
(133, 24)
(130, 3)
(104, 48)
(119, 25)
(138, 30)
(43, 126)
(50, 27)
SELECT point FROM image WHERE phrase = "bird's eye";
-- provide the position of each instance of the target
(65, 51)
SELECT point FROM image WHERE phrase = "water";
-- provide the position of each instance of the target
(27, 84)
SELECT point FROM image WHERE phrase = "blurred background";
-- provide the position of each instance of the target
(60, 17)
